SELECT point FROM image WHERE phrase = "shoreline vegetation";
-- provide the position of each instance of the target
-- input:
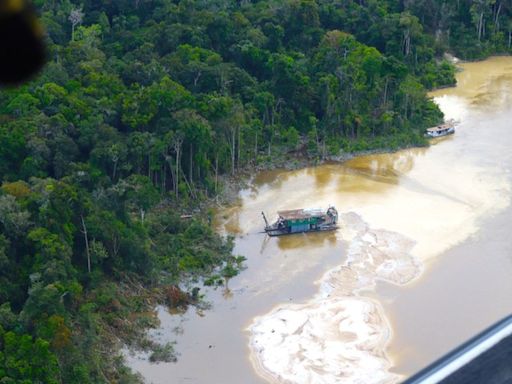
(143, 108)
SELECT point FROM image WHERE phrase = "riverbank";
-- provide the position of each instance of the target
(435, 205)
(134, 331)
(233, 186)
(448, 202)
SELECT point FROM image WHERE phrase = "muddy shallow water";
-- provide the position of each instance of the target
(421, 260)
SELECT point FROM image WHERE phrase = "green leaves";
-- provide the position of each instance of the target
(138, 107)
(142, 194)
(13, 218)
(141, 104)
(25, 360)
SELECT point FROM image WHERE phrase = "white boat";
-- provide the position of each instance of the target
(447, 128)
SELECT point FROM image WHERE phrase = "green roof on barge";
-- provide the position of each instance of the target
(302, 220)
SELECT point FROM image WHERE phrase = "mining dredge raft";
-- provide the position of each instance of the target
(302, 220)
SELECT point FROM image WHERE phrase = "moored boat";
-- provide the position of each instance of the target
(302, 220)
(447, 128)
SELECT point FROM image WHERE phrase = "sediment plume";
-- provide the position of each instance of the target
(339, 336)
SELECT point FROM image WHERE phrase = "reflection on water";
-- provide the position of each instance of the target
(381, 168)
(322, 178)
(482, 86)
(435, 197)
(386, 165)
(304, 241)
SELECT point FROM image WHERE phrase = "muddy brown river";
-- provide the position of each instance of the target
(421, 262)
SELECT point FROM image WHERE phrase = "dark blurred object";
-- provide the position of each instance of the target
(485, 359)
(22, 49)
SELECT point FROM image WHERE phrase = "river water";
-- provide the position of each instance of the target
(420, 263)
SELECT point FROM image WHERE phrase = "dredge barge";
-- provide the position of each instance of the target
(302, 220)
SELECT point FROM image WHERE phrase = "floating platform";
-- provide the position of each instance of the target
(301, 221)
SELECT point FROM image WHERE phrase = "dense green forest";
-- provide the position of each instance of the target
(142, 107)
